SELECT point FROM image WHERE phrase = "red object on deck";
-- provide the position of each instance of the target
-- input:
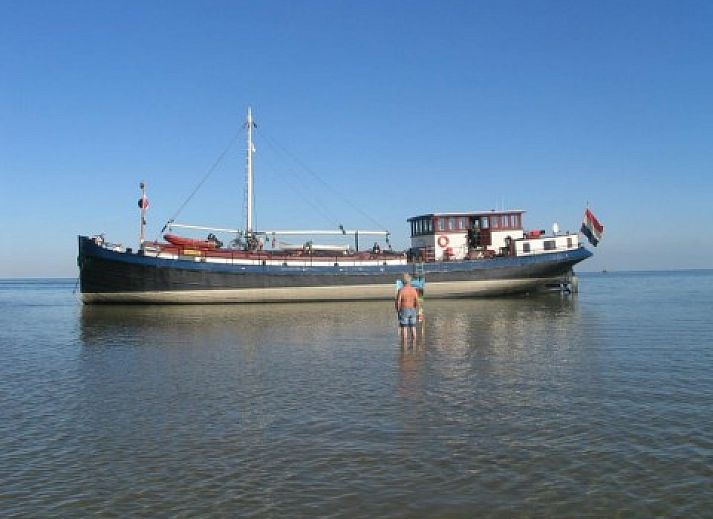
(180, 241)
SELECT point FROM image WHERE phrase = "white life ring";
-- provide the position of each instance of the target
(443, 241)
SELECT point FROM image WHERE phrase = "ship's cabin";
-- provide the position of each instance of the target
(481, 234)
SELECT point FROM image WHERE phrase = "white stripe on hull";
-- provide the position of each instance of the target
(445, 289)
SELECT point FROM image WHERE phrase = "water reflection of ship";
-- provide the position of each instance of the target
(491, 352)
(317, 324)
(455, 324)
(499, 322)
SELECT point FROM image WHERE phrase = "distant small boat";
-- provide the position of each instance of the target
(463, 254)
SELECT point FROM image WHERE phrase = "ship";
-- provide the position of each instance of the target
(452, 255)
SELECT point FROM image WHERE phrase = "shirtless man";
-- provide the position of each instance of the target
(407, 305)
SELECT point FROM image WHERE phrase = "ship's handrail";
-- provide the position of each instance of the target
(307, 258)
(427, 254)
(236, 257)
(540, 252)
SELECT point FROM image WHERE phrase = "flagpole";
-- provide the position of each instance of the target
(142, 223)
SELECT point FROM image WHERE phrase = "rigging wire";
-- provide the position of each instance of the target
(205, 177)
(295, 187)
(301, 192)
(272, 142)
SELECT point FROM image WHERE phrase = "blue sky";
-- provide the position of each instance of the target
(402, 108)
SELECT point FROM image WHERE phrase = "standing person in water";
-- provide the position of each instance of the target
(407, 307)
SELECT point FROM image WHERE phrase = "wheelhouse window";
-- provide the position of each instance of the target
(421, 226)
(441, 224)
(550, 245)
(526, 247)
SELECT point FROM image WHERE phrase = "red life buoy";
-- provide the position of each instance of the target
(443, 241)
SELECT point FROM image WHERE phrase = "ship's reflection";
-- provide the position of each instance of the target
(319, 324)
(492, 354)
(461, 325)
(455, 326)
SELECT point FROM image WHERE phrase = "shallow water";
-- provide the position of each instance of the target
(597, 405)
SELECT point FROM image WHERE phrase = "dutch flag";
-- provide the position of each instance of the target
(591, 228)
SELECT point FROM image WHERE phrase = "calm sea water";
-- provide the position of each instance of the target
(598, 405)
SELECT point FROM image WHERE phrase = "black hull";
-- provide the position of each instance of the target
(117, 277)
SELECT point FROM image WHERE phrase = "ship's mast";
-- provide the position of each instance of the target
(249, 176)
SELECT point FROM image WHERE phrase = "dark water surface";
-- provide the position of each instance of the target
(599, 405)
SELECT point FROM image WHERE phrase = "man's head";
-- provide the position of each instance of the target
(406, 278)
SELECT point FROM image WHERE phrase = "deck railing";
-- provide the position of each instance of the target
(422, 255)
(267, 258)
